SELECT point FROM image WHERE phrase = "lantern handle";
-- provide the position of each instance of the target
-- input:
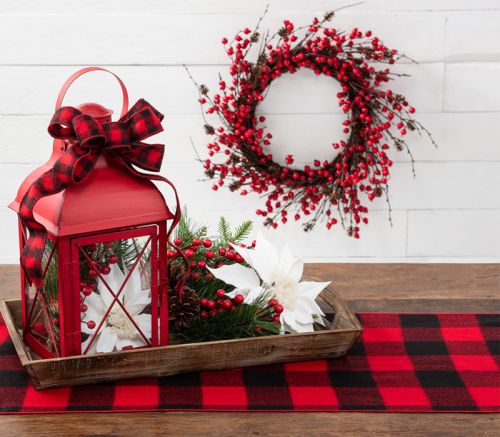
(78, 73)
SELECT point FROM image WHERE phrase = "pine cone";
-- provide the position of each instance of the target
(187, 310)
(176, 270)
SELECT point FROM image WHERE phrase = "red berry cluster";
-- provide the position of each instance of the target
(201, 253)
(98, 259)
(375, 118)
(278, 309)
(212, 308)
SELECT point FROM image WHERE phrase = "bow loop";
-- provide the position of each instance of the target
(61, 124)
(88, 131)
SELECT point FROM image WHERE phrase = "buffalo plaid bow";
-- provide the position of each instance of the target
(89, 139)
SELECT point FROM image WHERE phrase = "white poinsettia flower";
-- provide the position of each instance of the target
(117, 331)
(277, 274)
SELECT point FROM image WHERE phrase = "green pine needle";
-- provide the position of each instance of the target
(224, 232)
(242, 231)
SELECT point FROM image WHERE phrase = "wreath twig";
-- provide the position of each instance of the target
(376, 118)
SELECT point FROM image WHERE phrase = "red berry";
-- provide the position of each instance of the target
(209, 254)
(210, 304)
(222, 251)
(105, 270)
(195, 276)
(87, 291)
(231, 255)
(220, 292)
(193, 264)
(112, 259)
(56, 321)
(202, 264)
(213, 313)
(238, 299)
(196, 241)
(189, 253)
(227, 304)
(203, 314)
(224, 41)
(204, 302)
(278, 309)
(93, 285)
(276, 318)
(171, 253)
(207, 242)
(93, 273)
(178, 241)
(238, 258)
(273, 302)
(83, 307)
(91, 324)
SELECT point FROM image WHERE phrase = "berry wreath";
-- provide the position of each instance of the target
(375, 118)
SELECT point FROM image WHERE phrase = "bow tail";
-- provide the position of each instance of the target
(67, 169)
(175, 222)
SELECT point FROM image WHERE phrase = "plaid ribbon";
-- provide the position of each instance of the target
(121, 140)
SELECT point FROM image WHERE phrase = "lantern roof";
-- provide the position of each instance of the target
(109, 197)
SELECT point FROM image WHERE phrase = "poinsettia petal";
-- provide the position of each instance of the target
(237, 275)
(291, 324)
(311, 289)
(114, 279)
(304, 327)
(254, 294)
(287, 318)
(139, 301)
(144, 323)
(319, 319)
(302, 314)
(296, 270)
(291, 267)
(92, 348)
(132, 287)
(264, 258)
(107, 340)
(95, 303)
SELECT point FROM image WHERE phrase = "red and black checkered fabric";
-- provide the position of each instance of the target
(403, 362)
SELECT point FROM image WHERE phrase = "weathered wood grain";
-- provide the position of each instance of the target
(368, 287)
(183, 424)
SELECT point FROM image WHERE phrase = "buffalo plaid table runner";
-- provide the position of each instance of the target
(403, 362)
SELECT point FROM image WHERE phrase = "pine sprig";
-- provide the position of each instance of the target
(242, 231)
(224, 232)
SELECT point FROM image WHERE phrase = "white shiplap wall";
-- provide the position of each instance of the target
(450, 212)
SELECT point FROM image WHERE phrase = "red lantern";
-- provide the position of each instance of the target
(101, 281)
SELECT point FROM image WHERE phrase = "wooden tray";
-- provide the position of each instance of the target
(334, 341)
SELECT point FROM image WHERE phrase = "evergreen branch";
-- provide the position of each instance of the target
(242, 231)
(224, 232)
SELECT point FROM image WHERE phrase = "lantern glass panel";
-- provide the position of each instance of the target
(119, 299)
(43, 308)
